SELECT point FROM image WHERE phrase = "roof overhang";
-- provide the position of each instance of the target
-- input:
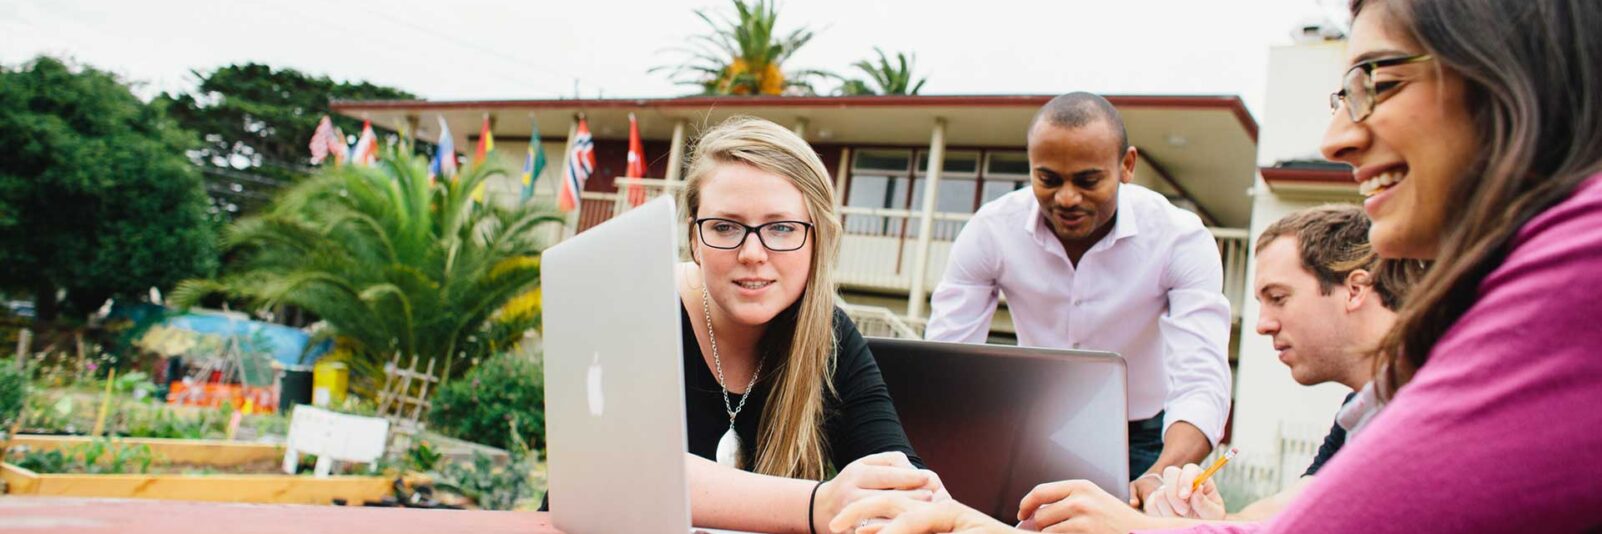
(1309, 181)
(1205, 145)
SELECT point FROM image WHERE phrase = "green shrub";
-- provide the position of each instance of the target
(482, 405)
(162, 421)
(99, 457)
(489, 486)
(13, 393)
(422, 457)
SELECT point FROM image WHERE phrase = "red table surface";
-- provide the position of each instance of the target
(71, 515)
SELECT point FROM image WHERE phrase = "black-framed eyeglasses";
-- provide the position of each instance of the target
(1358, 90)
(777, 236)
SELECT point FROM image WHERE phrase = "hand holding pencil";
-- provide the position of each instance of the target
(1189, 492)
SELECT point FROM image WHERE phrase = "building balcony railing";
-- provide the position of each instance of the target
(879, 245)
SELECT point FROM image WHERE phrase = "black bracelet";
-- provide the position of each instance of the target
(812, 524)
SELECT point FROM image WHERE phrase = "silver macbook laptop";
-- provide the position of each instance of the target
(614, 377)
(995, 420)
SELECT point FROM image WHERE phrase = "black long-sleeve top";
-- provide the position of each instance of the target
(858, 422)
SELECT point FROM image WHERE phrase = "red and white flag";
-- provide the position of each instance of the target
(580, 163)
(366, 150)
(636, 167)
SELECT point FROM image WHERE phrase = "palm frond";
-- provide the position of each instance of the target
(741, 54)
(392, 262)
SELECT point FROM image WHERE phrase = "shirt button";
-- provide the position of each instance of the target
(1079, 301)
(1076, 345)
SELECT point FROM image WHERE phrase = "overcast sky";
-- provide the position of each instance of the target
(479, 49)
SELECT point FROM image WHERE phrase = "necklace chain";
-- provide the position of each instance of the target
(706, 307)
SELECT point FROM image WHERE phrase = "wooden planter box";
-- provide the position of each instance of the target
(267, 488)
(205, 452)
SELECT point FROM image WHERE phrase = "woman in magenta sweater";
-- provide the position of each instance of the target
(1475, 130)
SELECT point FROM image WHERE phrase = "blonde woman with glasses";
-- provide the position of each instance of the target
(780, 389)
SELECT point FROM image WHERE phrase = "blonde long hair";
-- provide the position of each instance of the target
(790, 441)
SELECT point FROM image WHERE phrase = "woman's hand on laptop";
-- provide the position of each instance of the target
(1175, 499)
(887, 473)
(896, 514)
(1080, 506)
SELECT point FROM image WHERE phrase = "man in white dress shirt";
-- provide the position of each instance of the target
(1089, 261)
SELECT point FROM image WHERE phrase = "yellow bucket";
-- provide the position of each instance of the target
(330, 381)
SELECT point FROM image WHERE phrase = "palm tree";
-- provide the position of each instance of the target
(393, 262)
(743, 55)
(896, 79)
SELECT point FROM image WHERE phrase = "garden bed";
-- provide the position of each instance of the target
(222, 479)
(194, 452)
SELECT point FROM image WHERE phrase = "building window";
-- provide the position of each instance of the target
(879, 179)
(1005, 172)
(894, 179)
(958, 179)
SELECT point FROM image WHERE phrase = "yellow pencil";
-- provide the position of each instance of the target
(1217, 464)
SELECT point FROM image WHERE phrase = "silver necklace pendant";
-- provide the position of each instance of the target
(729, 452)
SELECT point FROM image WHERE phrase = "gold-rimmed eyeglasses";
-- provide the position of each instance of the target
(1358, 90)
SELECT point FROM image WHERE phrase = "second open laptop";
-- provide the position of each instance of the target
(995, 420)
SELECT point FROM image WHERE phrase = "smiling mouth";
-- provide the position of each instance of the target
(753, 284)
(1073, 218)
(1382, 182)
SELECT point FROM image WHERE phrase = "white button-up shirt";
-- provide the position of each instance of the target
(1151, 291)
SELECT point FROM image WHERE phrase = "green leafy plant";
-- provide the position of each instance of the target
(392, 260)
(161, 421)
(423, 457)
(482, 405)
(99, 457)
(44, 462)
(50, 413)
(492, 487)
(14, 390)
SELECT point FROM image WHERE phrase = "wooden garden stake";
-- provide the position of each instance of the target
(105, 404)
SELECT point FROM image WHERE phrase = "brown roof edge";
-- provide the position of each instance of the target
(1274, 175)
(1232, 103)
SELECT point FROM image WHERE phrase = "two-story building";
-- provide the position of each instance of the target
(885, 153)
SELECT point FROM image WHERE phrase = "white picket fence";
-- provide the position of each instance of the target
(1253, 475)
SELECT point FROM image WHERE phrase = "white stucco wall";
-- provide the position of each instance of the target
(1267, 401)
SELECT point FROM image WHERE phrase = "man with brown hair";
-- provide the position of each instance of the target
(1327, 299)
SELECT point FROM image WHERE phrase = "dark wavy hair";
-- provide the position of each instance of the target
(1533, 70)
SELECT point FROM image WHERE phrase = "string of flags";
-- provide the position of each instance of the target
(328, 144)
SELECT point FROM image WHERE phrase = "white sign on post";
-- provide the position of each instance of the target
(333, 436)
